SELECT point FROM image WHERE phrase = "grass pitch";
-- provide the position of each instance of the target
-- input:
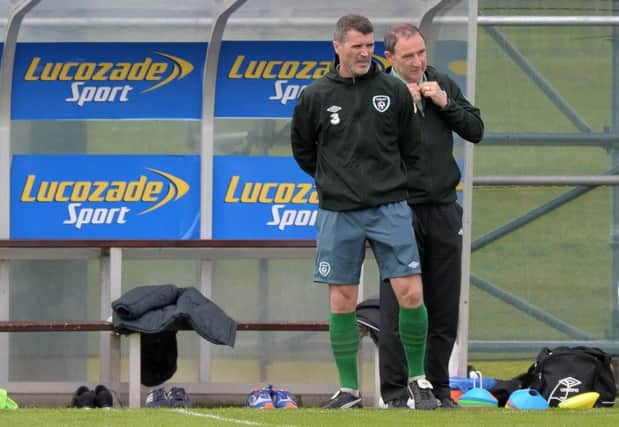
(304, 417)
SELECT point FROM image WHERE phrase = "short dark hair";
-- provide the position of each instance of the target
(352, 22)
(398, 31)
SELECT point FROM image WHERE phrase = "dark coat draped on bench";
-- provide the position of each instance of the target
(158, 312)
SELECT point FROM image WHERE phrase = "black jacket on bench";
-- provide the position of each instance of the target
(158, 312)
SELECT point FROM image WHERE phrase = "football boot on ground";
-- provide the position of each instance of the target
(420, 395)
(260, 399)
(343, 400)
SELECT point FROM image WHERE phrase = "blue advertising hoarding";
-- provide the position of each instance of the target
(56, 81)
(67, 81)
(157, 197)
(105, 197)
(262, 198)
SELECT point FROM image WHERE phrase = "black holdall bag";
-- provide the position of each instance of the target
(563, 372)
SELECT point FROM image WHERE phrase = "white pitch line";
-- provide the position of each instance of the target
(218, 418)
(226, 419)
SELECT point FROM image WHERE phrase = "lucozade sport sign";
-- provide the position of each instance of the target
(108, 81)
(105, 196)
(257, 197)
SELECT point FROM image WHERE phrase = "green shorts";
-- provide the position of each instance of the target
(341, 243)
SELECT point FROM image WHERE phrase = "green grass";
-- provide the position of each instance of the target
(306, 417)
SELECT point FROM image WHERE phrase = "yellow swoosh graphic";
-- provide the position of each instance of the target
(181, 69)
(458, 67)
(384, 62)
(177, 186)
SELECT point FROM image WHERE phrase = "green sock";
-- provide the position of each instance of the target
(344, 335)
(413, 330)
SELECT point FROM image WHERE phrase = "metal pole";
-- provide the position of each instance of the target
(4, 315)
(6, 86)
(265, 340)
(571, 21)
(208, 117)
(207, 142)
(460, 354)
(304, 22)
(547, 180)
(613, 330)
(593, 140)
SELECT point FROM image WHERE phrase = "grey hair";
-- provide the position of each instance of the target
(398, 31)
(352, 22)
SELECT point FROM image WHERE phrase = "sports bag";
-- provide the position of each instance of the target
(563, 372)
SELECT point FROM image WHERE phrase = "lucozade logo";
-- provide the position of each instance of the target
(157, 71)
(279, 194)
(79, 194)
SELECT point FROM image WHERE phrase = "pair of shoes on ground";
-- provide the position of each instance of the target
(269, 398)
(175, 398)
(100, 397)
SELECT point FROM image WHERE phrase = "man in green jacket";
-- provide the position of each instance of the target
(353, 131)
(437, 216)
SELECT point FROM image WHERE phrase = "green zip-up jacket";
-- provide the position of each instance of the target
(354, 136)
(434, 175)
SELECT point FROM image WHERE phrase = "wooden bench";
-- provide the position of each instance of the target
(111, 254)
(134, 342)
(102, 326)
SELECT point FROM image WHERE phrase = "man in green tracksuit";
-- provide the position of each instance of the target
(353, 131)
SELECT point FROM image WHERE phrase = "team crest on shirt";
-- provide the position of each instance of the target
(381, 103)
